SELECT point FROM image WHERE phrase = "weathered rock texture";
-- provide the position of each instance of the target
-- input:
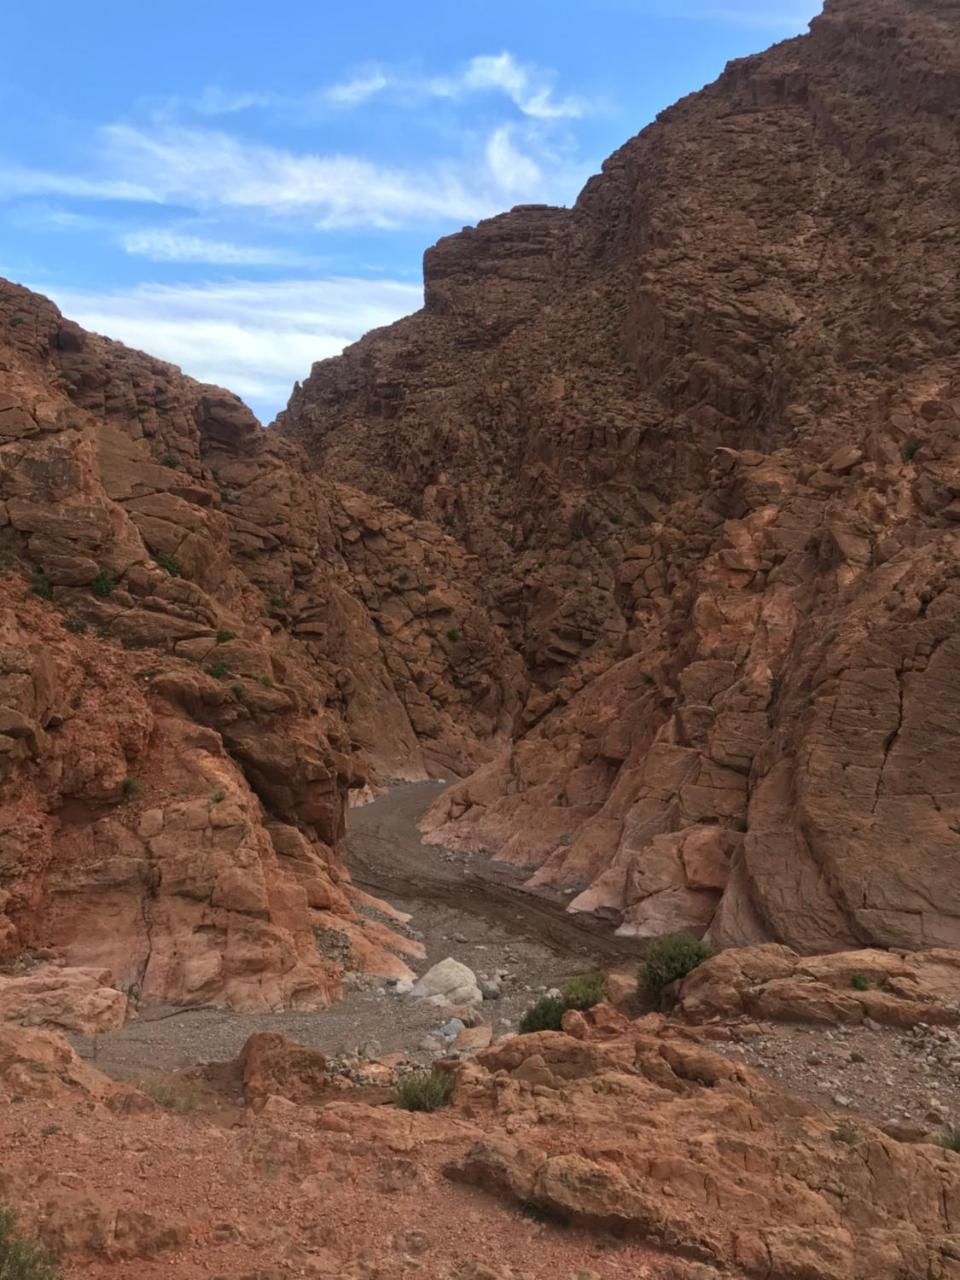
(202, 653)
(701, 431)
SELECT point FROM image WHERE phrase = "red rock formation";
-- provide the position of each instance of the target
(701, 431)
(202, 652)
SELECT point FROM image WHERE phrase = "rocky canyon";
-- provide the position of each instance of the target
(640, 541)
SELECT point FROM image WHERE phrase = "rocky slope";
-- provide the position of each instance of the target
(202, 654)
(701, 432)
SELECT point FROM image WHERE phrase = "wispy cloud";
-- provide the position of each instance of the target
(205, 170)
(783, 18)
(255, 338)
(527, 86)
(161, 244)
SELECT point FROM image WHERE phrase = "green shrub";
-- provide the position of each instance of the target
(22, 1259)
(41, 585)
(584, 991)
(859, 982)
(911, 448)
(223, 636)
(76, 626)
(170, 460)
(227, 498)
(453, 635)
(426, 1089)
(546, 1015)
(176, 1095)
(219, 669)
(671, 958)
(17, 321)
(128, 788)
(950, 1138)
(103, 584)
(218, 797)
(278, 602)
(167, 562)
(844, 1133)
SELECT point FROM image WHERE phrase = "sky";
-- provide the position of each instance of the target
(245, 187)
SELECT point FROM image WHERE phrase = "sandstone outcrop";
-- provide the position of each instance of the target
(203, 654)
(701, 431)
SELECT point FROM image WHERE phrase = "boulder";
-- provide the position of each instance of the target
(451, 981)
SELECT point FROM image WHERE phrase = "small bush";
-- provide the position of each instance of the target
(859, 982)
(170, 460)
(41, 585)
(585, 991)
(453, 635)
(218, 797)
(128, 788)
(671, 958)
(546, 1015)
(831, 636)
(22, 1259)
(950, 1138)
(277, 602)
(911, 448)
(844, 1133)
(76, 626)
(223, 636)
(266, 681)
(17, 321)
(227, 498)
(167, 562)
(104, 584)
(219, 669)
(425, 1090)
(174, 1095)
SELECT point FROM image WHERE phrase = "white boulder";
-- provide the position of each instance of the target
(452, 981)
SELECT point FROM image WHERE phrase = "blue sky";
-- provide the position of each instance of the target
(244, 187)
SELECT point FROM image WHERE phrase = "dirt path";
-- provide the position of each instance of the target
(460, 906)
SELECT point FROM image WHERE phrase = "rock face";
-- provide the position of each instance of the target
(203, 653)
(701, 432)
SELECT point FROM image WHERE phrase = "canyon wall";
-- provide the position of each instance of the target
(701, 433)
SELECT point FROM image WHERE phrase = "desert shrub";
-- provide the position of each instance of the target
(911, 448)
(103, 584)
(453, 635)
(170, 460)
(950, 1138)
(167, 562)
(584, 991)
(277, 602)
(546, 1015)
(41, 585)
(226, 497)
(844, 1133)
(426, 1089)
(219, 669)
(218, 797)
(16, 321)
(671, 958)
(22, 1259)
(128, 789)
(223, 636)
(859, 982)
(76, 626)
(175, 1095)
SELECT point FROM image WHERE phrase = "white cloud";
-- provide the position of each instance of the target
(207, 170)
(527, 86)
(160, 244)
(511, 169)
(254, 338)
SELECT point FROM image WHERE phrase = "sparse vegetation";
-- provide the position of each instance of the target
(219, 669)
(128, 788)
(16, 321)
(859, 982)
(167, 562)
(671, 958)
(22, 1259)
(950, 1138)
(177, 1095)
(170, 460)
(910, 448)
(76, 626)
(546, 1015)
(218, 797)
(831, 636)
(453, 635)
(223, 636)
(41, 585)
(425, 1090)
(250, 553)
(266, 681)
(104, 584)
(227, 498)
(278, 602)
(844, 1133)
(584, 991)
